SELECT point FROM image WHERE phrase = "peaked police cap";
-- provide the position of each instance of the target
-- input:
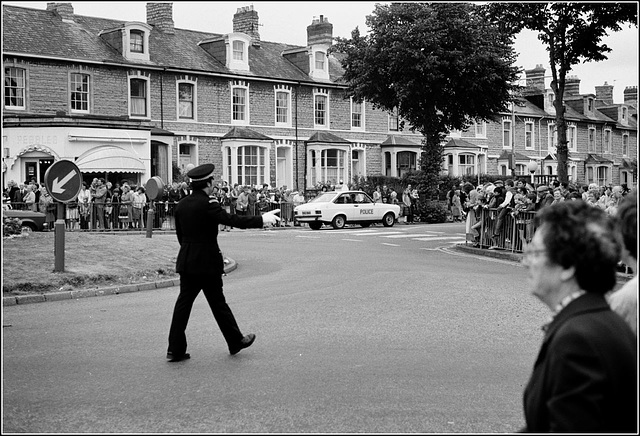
(201, 172)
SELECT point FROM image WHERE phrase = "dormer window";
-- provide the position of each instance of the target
(590, 104)
(624, 113)
(136, 41)
(319, 61)
(237, 46)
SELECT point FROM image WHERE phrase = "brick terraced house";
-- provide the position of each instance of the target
(129, 100)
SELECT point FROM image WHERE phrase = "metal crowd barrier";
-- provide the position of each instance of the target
(514, 230)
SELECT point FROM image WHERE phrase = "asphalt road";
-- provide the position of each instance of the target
(373, 330)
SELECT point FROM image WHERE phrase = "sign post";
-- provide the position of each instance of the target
(155, 189)
(62, 180)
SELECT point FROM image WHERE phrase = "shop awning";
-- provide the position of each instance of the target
(110, 159)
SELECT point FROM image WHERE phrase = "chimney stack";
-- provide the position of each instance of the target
(160, 15)
(604, 93)
(63, 10)
(320, 31)
(631, 95)
(571, 86)
(245, 20)
(535, 78)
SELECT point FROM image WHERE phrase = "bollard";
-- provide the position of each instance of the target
(150, 214)
(58, 248)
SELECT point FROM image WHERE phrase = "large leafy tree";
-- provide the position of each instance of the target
(442, 66)
(572, 33)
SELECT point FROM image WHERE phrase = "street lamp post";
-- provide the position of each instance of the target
(532, 166)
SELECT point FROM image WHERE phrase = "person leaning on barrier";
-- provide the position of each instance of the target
(625, 300)
(200, 262)
(584, 378)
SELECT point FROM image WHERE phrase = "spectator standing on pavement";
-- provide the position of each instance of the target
(625, 300)
(30, 199)
(585, 376)
(456, 207)
(408, 204)
(377, 194)
(126, 207)
(242, 203)
(139, 201)
(544, 197)
(99, 198)
(201, 265)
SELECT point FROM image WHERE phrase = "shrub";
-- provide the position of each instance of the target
(11, 226)
(432, 212)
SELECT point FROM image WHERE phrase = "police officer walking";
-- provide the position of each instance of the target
(200, 262)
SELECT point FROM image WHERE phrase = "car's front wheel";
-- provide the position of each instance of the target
(315, 225)
(338, 222)
(388, 220)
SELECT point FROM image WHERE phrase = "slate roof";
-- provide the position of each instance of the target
(245, 133)
(594, 158)
(398, 140)
(42, 33)
(326, 137)
(460, 143)
(519, 156)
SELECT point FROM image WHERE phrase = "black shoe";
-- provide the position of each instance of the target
(244, 343)
(177, 358)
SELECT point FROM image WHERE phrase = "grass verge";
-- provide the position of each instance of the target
(90, 260)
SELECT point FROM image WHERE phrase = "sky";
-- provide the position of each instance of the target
(276, 18)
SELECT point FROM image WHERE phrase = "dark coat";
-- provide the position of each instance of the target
(585, 378)
(197, 230)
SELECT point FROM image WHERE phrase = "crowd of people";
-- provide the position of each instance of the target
(520, 200)
(102, 205)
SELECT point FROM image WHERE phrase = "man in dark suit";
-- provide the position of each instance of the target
(200, 262)
(585, 377)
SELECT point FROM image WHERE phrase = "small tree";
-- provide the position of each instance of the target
(442, 66)
(572, 33)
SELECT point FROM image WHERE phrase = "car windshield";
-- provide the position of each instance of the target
(325, 197)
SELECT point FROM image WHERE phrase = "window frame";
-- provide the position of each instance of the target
(261, 170)
(133, 41)
(591, 139)
(359, 114)
(147, 104)
(480, 129)
(318, 94)
(238, 50)
(22, 107)
(393, 117)
(506, 131)
(529, 135)
(572, 132)
(625, 144)
(73, 91)
(552, 138)
(243, 86)
(286, 90)
(607, 135)
(194, 99)
(464, 167)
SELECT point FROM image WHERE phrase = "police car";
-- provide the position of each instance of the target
(339, 208)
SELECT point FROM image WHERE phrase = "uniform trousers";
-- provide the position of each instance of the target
(190, 287)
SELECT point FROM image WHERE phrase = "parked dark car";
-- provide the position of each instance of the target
(31, 221)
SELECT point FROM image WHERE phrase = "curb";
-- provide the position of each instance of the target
(515, 257)
(98, 292)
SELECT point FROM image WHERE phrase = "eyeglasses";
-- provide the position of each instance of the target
(529, 250)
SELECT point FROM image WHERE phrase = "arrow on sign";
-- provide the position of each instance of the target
(56, 186)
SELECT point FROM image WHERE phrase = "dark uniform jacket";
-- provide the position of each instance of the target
(585, 377)
(197, 230)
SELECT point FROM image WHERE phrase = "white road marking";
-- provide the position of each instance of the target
(391, 245)
(353, 240)
(308, 237)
